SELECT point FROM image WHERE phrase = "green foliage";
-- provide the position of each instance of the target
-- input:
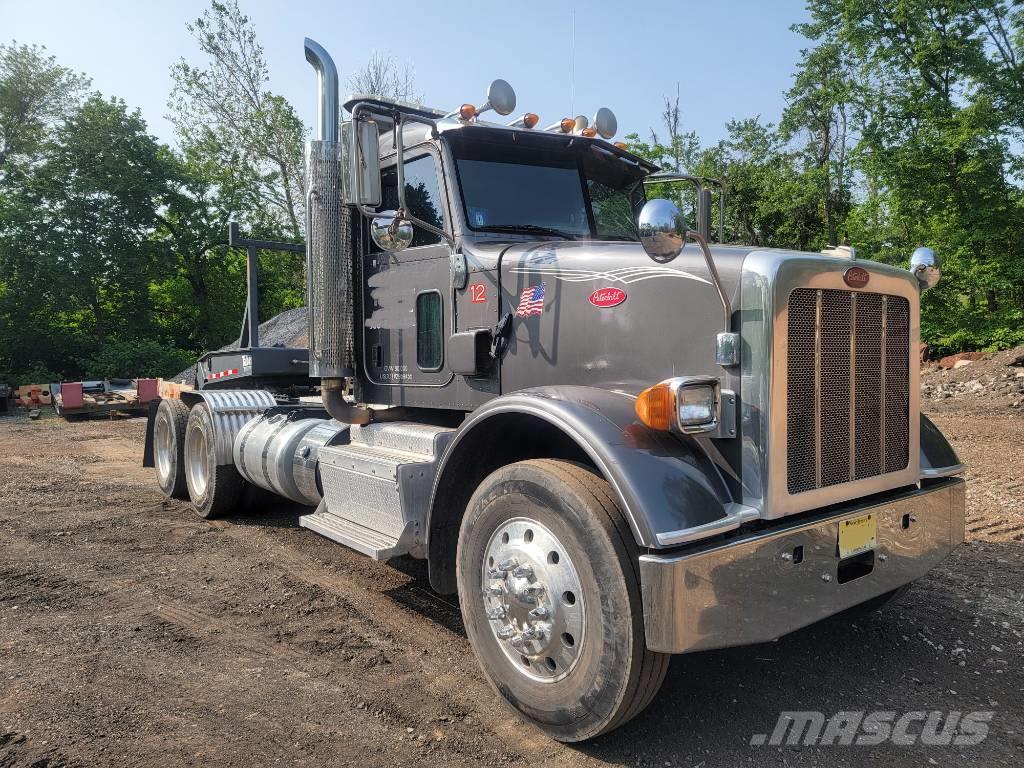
(903, 127)
(147, 358)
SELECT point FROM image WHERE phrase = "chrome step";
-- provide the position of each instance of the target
(379, 546)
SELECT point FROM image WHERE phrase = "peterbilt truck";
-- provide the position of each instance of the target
(612, 439)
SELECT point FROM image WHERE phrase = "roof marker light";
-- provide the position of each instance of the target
(589, 132)
(467, 112)
(527, 120)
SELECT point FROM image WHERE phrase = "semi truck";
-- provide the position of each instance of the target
(613, 436)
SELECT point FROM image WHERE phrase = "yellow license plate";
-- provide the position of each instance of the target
(857, 535)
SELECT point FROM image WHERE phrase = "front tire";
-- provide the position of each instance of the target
(169, 426)
(214, 489)
(548, 578)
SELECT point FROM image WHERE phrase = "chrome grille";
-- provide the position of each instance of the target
(848, 397)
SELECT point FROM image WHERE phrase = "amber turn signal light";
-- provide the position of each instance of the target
(654, 406)
(567, 124)
(467, 112)
(621, 145)
(589, 132)
(530, 119)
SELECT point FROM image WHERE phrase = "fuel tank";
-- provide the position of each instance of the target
(278, 452)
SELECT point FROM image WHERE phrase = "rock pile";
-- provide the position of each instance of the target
(978, 375)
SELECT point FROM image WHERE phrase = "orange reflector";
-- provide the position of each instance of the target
(467, 111)
(567, 124)
(654, 407)
(530, 119)
(621, 145)
(589, 132)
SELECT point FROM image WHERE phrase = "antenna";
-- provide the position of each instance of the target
(572, 59)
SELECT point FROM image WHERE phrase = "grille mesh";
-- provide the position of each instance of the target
(848, 404)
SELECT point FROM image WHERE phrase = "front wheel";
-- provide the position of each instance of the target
(548, 580)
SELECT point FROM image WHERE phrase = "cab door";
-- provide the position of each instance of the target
(407, 309)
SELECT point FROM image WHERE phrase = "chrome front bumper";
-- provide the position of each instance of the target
(751, 589)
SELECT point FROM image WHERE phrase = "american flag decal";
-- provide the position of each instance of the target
(531, 301)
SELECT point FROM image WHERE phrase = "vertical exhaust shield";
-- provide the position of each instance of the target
(328, 235)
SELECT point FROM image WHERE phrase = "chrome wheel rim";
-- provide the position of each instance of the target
(163, 445)
(533, 600)
(197, 470)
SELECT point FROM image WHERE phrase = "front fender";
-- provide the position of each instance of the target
(663, 482)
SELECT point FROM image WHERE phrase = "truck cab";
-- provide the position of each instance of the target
(612, 438)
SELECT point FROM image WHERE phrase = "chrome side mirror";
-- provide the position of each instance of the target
(364, 163)
(391, 233)
(924, 265)
(662, 230)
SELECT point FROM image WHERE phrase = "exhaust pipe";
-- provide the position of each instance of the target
(329, 291)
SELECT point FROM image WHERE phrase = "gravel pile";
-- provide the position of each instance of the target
(994, 376)
(287, 329)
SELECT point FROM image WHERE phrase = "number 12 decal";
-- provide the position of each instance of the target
(478, 293)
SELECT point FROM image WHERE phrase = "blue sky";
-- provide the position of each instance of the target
(732, 58)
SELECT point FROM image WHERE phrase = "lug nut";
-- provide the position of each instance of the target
(496, 613)
(507, 565)
(493, 573)
(506, 632)
(493, 591)
(523, 572)
(540, 612)
(533, 633)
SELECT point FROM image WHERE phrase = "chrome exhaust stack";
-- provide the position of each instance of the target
(330, 294)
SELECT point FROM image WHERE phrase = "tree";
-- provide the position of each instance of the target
(35, 94)
(226, 107)
(383, 77)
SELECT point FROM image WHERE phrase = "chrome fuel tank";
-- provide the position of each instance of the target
(279, 453)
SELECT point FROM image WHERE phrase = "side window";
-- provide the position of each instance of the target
(429, 330)
(422, 195)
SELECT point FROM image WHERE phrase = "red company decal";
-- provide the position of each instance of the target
(856, 277)
(607, 297)
(477, 293)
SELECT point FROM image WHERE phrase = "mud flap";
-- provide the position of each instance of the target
(147, 451)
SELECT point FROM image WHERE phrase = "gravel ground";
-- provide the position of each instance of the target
(134, 633)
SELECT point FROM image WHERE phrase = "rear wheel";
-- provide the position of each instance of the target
(169, 448)
(214, 489)
(549, 588)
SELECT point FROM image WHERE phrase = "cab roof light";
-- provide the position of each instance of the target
(467, 112)
(565, 125)
(589, 132)
(621, 145)
(527, 120)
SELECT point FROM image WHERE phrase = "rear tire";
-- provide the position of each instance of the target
(581, 667)
(214, 489)
(169, 448)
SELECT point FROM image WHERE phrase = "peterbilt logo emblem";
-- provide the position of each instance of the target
(856, 277)
(607, 297)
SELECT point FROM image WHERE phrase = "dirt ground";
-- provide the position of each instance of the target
(134, 633)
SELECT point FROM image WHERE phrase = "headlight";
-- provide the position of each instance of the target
(688, 404)
(696, 405)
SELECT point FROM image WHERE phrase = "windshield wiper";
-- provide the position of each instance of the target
(532, 228)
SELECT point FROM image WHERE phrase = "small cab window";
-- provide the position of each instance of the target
(422, 195)
(429, 325)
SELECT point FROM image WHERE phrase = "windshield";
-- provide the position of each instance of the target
(564, 193)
